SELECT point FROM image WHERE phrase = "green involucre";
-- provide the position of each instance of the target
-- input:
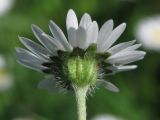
(82, 71)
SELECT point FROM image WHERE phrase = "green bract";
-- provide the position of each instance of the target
(82, 71)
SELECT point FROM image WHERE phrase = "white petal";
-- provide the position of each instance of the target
(119, 47)
(104, 33)
(52, 43)
(72, 37)
(47, 43)
(126, 67)
(92, 34)
(81, 37)
(28, 56)
(121, 68)
(31, 65)
(29, 60)
(133, 47)
(48, 83)
(114, 36)
(108, 85)
(72, 26)
(71, 21)
(126, 57)
(59, 35)
(35, 48)
(85, 21)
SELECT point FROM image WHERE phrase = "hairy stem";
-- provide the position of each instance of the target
(80, 93)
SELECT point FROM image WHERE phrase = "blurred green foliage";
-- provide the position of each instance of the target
(140, 89)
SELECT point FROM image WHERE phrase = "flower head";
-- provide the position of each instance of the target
(6, 80)
(85, 59)
(148, 32)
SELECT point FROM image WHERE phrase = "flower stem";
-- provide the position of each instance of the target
(80, 93)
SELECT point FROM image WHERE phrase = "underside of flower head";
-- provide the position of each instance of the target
(84, 59)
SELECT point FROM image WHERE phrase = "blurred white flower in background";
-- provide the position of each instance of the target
(5, 6)
(106, 117)
(21, 118)
(2, 62)
(148, 32)
(6, 81)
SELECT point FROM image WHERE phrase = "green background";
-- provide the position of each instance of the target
(139, 98)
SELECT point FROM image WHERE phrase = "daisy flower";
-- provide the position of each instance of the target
(148, 32)
(82, 61)
(6, 80)
(106, 117)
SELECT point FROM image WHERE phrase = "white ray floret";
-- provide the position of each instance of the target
(104, 33)
(35, 48)
(125, 57)
(108, 85)
(115, 34)
(121, 68)
(72, 26)
(59, 35)
(85, 21)
(120, 47)
(29, 59)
